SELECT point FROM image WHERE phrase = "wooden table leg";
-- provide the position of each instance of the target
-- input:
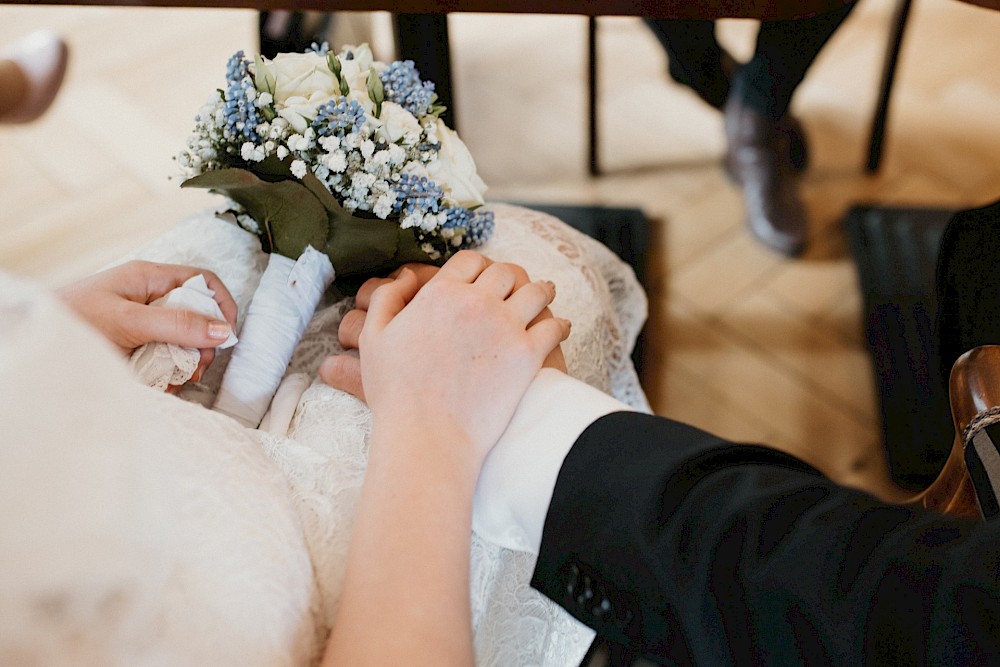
(423, 38)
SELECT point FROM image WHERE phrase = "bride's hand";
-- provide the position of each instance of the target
(343, 371)
(454, 356)
(115, 302)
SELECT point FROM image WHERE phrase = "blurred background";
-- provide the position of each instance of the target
(740, 341)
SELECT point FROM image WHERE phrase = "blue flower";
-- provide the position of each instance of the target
(321, 49)
(339, 118)
(403, 86)
(477, 226)
(480, 229)
(241, 113)
(416, 194)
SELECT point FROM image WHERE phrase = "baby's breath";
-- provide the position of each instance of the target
(341, 146)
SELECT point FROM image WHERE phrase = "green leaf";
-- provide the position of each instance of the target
(319, 190)
(333, 62)
(289, 214)
(409, 250)
(360, 245)
(376, 91)
(272, 169)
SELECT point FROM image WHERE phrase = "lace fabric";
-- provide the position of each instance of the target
(323, 456)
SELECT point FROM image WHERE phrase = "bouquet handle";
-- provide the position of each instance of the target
(281, 308)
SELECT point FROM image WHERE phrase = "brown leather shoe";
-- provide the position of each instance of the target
(789, 125)
(40, 61)
(757, 158)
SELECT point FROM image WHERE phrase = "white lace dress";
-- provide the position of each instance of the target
(231, 543)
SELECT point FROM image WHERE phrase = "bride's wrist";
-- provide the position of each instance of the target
(440, 451)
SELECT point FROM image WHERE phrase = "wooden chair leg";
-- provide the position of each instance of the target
(595, 165)
(888, 74)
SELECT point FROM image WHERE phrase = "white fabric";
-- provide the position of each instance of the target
(286, 400)
(135, 528)
(251, 528)
(161, 365)
(281, 308)
(519, 475)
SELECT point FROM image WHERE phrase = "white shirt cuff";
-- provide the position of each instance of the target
(519, 475)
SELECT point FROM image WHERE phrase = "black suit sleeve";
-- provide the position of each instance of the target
(693, 550)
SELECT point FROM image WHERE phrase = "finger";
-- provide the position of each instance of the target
(465, 265)
(424, 273)
(499, 279)
(343, 372)
(547, 334)
(389, 299)
(364, 296)
(532, 299)
(161, 278)
(556, 360)
(186, 328)
(206, 359)
(349, 333)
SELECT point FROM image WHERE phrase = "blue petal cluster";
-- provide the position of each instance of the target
(477, 225)
(321, 49)
(339, 118)
(241, 111)
(416, 194)
(403, 86)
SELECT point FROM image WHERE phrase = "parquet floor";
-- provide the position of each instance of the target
(742, 342)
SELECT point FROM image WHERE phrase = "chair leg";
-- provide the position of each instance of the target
(423, 38)
(888, 74)
(595, 165)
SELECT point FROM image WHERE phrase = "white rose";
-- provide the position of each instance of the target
(355, 70)
(396, 123)
(300, 111)
(455, 171)
(300, 75)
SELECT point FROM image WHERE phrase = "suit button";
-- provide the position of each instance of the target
(573, 580)
(602, 608)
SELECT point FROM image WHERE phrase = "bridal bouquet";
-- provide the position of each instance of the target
(341, 166)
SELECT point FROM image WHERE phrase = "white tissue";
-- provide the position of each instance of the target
(160, 365)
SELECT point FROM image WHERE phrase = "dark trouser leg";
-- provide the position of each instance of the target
(695, 57)
(762, 151)
(784, 52)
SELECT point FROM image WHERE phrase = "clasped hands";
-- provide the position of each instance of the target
(443, 349)
(448, 350)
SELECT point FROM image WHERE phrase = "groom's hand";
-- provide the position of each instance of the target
(115, 302)
(343, 371)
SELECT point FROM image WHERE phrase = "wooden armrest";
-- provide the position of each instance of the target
(973, 388)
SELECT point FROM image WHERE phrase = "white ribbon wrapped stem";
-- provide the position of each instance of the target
(277, 316)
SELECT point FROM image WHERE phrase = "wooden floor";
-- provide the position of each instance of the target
(742, 342)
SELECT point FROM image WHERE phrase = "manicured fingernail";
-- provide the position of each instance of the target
(197, 375)
(219, 330)
(566, 323)
(552, 285)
